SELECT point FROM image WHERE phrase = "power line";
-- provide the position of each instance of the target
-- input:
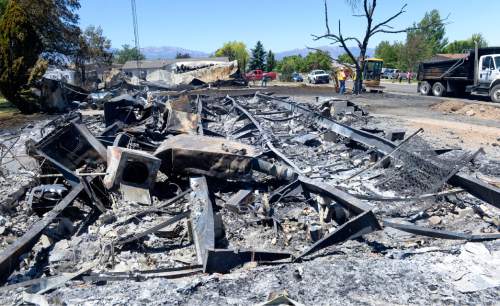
(136, 33)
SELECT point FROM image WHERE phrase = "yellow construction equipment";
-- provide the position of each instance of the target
(371, 74)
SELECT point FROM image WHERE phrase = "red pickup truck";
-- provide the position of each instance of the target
(257, 75)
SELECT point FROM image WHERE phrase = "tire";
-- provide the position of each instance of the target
(495, 94)
(328, 82)
(438, 89)
(425, 88)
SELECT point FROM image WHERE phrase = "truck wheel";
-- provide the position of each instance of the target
(438, 89)
(425, 88)
(495, 94)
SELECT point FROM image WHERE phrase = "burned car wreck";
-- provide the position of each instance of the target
(177, 184)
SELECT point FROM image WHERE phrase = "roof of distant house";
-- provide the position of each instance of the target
(450, 56)
(159, 64)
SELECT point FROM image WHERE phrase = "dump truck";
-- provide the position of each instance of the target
(476, 72)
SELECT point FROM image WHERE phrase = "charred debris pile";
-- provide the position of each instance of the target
(170, 185)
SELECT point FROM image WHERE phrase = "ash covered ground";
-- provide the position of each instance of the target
(386, 266)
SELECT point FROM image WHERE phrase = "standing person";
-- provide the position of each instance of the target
(341, 77)
(400, 77)
(408, 77)
(264, 81)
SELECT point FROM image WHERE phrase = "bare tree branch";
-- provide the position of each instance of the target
(323, 51)
(346, 48)
(392, 31)
(388, 26)
(353, 3)
(367, 11)
(326, 18)
(365, 7)
(384, 23)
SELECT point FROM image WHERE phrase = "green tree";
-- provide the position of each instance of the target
(424, 40)
(3, 5)
(128, 54)
(29, 29)
(432, 31)
(270, 61)
(481, 41)
(317, 60)
(180, 55)
(459, 46)
(258, 59)
(289, 65)
(389, 53)
(20, 48)
(294, 63)
(94, 49)
(235, 50)
(415, 50)
(344, 58)
(56, 24)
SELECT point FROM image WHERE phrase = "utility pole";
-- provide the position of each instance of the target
(136, 35)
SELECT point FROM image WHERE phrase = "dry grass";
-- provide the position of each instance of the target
(7, 110)
(480, 111)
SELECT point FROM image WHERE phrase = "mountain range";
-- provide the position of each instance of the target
(168, 52)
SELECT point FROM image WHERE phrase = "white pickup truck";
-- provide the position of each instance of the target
(318, 76)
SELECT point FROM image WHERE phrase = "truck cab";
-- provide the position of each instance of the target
(489, 77)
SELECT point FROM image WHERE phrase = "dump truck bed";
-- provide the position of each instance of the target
(448, 69)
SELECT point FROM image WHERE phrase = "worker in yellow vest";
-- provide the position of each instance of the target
(341, 76)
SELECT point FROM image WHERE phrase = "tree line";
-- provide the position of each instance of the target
(35, 34)
(258, 58)
(427, 39)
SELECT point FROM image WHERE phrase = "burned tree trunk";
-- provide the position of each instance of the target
(371, 30)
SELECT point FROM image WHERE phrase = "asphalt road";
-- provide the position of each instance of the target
(401, 88)
(404, 88)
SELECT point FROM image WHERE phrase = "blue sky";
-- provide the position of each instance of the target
(280, 24)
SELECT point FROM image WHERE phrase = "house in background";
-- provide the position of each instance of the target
(95, 72)
(146, 67)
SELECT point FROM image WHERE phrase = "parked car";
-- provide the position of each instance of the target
(257, 75)
(387, 73)
(318, 76)
(395, 73)
(390, 73)
(296, 77)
